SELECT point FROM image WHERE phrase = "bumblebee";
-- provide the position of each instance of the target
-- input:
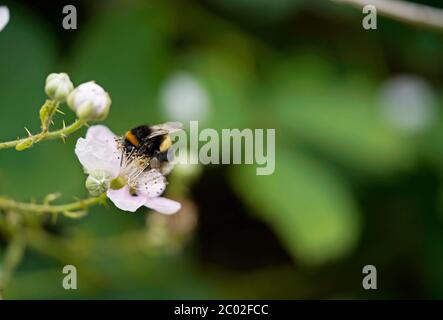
(151, 142)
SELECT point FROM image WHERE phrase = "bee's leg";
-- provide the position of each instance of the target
(121, 157)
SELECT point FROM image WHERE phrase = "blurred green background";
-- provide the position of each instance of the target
(359, 150)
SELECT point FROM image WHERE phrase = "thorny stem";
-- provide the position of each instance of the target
(59, 134)
(412, 13)
(9, 204)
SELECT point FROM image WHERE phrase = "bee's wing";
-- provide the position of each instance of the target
(165, 128)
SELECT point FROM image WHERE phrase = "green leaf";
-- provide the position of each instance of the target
(262, 11)
(338, 116)
(308, 205)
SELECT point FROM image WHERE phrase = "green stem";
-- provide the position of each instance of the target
(9, 204)
(59, 134)
(63, 133)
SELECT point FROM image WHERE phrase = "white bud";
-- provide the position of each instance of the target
(90, 101)
(98, 183)
(58, 86)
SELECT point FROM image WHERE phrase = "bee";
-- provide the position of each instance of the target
(151, 142)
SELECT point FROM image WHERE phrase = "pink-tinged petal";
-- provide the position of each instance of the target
(99, 151)
(163, 205)
(101, 133)
(124, 200)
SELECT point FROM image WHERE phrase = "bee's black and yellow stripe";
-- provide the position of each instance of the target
(132, 139)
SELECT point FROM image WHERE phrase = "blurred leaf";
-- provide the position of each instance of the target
(307, 205)
(337, 114)
(432, 260)
(431, 146)
(407, 42)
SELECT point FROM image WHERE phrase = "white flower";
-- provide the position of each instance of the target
(58, 86)
(184, 98)
(90, 101)
(4, 17)
(101, 152)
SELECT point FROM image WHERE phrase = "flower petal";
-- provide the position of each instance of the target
(4, 17)
(101, 133)
(163, 205)
(99, 151)
(124, 200)
(151, 184)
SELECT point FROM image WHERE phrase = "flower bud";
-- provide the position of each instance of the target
(58, 86)
(90, 101)
(98, 183)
